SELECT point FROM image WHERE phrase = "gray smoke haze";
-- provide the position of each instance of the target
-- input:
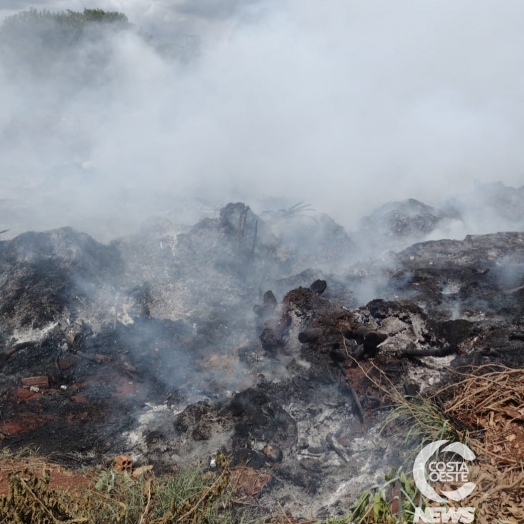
(345, 105)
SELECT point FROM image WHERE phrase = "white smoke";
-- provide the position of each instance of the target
(342, 104)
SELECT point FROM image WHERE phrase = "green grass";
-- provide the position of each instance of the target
(414, 422)
(417, 421)
(191, 496)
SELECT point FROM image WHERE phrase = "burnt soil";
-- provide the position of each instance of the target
(166, 346)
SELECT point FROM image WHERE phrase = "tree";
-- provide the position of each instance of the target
(37, 38)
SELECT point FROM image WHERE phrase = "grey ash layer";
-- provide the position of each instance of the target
(176, 342)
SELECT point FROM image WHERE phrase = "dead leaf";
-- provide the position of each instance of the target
(141, 471)
(249, 480)
(513, 413)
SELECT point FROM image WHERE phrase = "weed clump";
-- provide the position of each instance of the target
(190, 497)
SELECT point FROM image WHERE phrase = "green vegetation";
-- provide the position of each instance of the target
(189, 497)
(419, 421)
(59, 46)
(393, 501)
(58, 31)
(413, 422)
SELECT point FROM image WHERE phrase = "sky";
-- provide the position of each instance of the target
(342, 104)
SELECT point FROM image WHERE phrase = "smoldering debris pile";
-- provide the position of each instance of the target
(238, 335)
(484, 208)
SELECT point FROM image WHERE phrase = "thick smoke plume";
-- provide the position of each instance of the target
(342, 104)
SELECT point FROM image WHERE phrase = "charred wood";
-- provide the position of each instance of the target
(251, 255)
(358, 405)
(270, 301)
(271, 339)
(371, 339)
(40, 382)
(98, 358)
(358, 353)
(318, 287)
(269, 305)
(368, 341)
(331, 443)
(311, 335)
(338, 356)
(411, 388)
(347, 386)
(371, 402)
(440, 352)
(8, 353)
(242, 221)
(259, 310)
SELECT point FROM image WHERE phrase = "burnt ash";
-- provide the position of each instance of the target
(177, 342)
(399, 224)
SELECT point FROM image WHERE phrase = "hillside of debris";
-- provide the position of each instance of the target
(268, 338)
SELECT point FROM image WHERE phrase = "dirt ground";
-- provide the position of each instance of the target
(62, 478)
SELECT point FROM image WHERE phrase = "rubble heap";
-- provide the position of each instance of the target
(171, 345)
